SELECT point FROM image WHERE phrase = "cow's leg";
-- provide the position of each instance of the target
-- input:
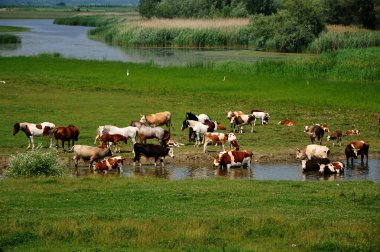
(204, 146)
(51, 142)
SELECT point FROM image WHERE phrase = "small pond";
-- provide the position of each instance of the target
(257, 171)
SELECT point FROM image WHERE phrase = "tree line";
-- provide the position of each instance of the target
(347, 12)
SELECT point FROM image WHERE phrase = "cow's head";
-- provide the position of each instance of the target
(354, 150)
(185, 124)
(16, 128)
(266, 119)
(171, 152)
(306, 129)
(218, 158)
(143, 119)
(300, 154)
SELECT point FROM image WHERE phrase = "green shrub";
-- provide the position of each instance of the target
(34, 163)
(9, 39)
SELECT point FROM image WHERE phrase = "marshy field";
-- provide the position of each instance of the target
(103, 213)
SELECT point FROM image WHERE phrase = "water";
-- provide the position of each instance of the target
(257, 171)
(72, 42)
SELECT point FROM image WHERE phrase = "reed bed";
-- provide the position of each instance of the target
(191, 23)
(335, 40)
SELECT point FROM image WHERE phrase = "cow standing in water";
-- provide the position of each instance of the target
(356, 148)
(35, 130)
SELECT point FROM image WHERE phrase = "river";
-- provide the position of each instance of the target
(72, 42)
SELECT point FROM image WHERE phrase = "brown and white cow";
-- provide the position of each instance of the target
(109, 164)
(242, 120)
(233, 158)
(315, 132)
(157, 119)
(324, 127)
(287, 122)
(219, 139)
(231, 114)
(313, 151)
(336, 135)
(332, 168)
(352, 132)
(356, 148)
(115, 139)
(35, 130)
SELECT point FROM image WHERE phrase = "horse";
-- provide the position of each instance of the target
(147, 132)
(198, 127)
(128, 132)
(201, 117)
(69, 134)
(35, 130)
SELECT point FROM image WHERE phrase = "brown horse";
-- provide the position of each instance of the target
(68, 133)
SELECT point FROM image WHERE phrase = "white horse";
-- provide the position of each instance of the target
(31, 130)
(129, 132)
(198, 127)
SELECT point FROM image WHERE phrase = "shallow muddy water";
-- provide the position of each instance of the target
(257, 171)
(72, 42)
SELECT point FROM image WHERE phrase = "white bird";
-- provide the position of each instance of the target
(127, 72)
(224, 78)
(3, 82)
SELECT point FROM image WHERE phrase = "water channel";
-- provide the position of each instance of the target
(72, 42)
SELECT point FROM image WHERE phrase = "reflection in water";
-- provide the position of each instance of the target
(274, 171)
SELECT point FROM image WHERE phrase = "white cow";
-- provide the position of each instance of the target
(313, 151)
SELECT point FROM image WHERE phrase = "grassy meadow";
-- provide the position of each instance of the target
(120, 214)
(92, 93)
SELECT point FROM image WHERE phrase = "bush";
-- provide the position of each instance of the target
(9, 39)
(34, 163)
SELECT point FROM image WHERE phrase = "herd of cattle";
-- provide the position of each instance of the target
(202, 130)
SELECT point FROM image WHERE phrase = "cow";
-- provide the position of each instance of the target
(233, 158)
(109, 163)
(287, 122)
(243, 120)
(356, 148)
(158, 119)
(89, 153)
(324, 127)
(352, 132)
(147, 132)
(128, 132)
(332, 168)
(231, 114)
(115, 139)
(35, 130)
(151, 150)
(263, 116)
(219, 139)
(313, 164)
(211, 126)
(313, 151)
(336, 135)
(315, 132)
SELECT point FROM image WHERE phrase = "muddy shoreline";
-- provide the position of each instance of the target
(195, 159)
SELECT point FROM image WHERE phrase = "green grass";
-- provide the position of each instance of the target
(92, 93)
(121, 214)
(12, 29)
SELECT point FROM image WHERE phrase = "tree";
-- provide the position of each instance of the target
(288, 30)
(147, 8)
